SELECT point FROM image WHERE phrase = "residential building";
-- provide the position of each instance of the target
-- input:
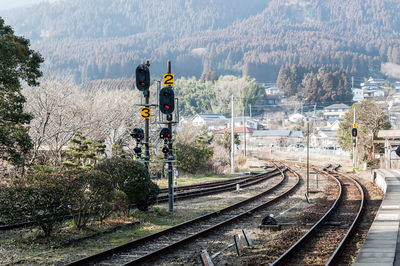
(335, 111)
(295, 117)
(276, 137)
(397, 86)
(272, 90)
(211, 121)
(358, 95)
(238, 122)
(324, 138)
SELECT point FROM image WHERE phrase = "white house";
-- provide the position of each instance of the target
(211, 121)
(272, 90)
(238, 121)
(324, 138)
(358, 95)
(397, 86)
(333, 125)
(295, 117)
(276, 137)
(335, 111)
(373, 93)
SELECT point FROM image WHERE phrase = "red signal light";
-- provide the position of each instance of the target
(166, 106)
(141, 83)
(168, 135)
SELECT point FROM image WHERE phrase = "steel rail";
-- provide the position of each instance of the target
(210, 184)
(205, 232)
(299, 242)
(221, 188)
(334, 255)
(130, 245)
(352, 226)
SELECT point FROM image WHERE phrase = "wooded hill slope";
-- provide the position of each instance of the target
(96, 39)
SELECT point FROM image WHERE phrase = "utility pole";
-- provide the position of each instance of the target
(308, 156)
(315, 107)
(244, 132)
(232, 140)
(250, 109)
(354, 141)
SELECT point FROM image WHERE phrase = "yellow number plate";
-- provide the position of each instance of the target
(168, 79)
(145, 112)
(354, 125)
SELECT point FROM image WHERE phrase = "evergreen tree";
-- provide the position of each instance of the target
(83, 153)
(17, 63)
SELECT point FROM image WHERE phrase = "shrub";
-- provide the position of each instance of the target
(192, 157)
(42, 199)
(132, 178)
(90, 196)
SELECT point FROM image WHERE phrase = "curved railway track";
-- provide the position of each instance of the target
(213, 188)
(324, 241)
(147, 248)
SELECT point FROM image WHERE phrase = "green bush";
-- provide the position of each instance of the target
(193, 157)
(132, 178)
(42, 199)
(90, 196)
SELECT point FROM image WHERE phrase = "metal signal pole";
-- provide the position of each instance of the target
(147, 128)
(170, 158)
(232, 142)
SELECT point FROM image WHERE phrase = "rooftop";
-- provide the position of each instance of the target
(278, 133)
(338, 106)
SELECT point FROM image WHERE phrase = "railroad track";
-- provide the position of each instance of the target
(147, 248)
(197, 190)
(218, 188)
(209, 184)
(324, 241)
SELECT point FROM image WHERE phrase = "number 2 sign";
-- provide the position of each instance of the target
(168, 79)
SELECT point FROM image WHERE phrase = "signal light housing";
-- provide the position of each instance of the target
(165, 133)
(354, 132)
(138, 134)
(142, 77)
(167, 100)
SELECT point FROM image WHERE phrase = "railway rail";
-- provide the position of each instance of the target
(196, 190)
(147, 248)
(220, 187)
(324, 241)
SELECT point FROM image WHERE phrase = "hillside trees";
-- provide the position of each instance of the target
(18, 63)
(197, 96)
(321, 85)
(216, 37)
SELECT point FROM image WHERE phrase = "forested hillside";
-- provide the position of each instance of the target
(96, 39)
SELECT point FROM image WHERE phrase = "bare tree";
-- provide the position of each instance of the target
(60, 108)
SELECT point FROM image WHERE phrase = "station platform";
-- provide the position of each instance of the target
(382, 245)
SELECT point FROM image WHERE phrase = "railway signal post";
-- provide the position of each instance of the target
(354, 138)
(143, 84)
(167, 107)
